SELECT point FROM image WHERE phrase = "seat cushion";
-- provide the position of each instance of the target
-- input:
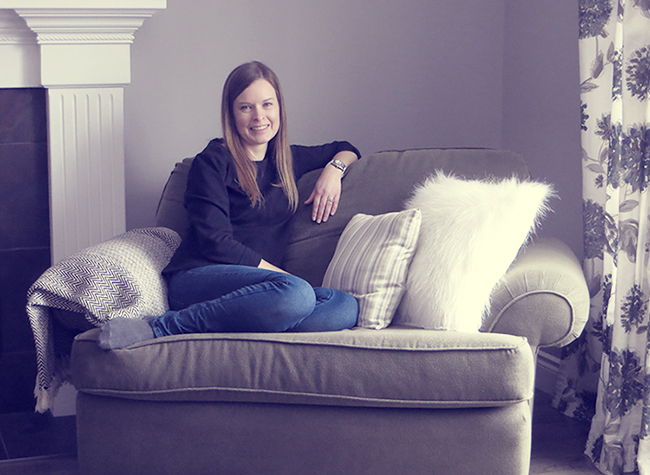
(394, 367)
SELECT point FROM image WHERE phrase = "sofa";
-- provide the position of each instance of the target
(399, 400)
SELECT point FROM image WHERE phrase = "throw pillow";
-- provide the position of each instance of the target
(371, 262)
(471, 232)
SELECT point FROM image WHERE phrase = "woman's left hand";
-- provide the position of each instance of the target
(326, 194)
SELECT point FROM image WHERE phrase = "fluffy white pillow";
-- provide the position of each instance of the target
(471, 232)
(371, 261)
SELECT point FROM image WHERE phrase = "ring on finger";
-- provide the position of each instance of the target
(330, 200)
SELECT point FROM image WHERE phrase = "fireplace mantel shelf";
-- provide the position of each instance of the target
(69, 42)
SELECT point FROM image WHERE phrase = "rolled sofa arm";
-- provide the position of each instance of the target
(543, 296)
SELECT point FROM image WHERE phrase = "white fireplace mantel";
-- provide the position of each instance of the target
(80, 51)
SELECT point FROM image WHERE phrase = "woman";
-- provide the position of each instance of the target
(241, 192)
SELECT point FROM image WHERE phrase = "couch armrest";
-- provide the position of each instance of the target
(543, 296)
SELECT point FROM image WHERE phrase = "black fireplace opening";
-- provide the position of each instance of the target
(24, 236)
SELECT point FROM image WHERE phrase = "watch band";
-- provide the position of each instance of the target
(339, 164)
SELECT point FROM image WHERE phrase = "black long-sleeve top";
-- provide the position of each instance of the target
(225, 228)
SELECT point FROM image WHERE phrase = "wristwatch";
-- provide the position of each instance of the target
(335, 162)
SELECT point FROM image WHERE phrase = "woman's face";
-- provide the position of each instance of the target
(257, 116)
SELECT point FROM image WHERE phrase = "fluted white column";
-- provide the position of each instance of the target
(86, 143)
(82, 50)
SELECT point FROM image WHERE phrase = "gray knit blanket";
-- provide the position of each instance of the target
(120, 277)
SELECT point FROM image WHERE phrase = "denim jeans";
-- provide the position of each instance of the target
(225, 298)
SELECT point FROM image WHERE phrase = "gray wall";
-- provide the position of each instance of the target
(541, 106)
(383, 75)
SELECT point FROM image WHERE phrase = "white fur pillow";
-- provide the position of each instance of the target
(471, 232)
(371, 261)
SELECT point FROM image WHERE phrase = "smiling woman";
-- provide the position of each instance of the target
(241, 193)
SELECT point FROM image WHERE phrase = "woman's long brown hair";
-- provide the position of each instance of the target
(280, 152)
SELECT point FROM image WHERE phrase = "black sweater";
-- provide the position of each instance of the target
(224, 226)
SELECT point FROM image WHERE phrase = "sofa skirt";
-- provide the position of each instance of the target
(117, 435)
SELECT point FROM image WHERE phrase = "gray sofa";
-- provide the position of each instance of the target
(360, 401)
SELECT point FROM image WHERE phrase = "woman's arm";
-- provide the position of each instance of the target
(327, 191)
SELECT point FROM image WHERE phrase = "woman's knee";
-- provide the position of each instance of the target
(347, 309)
(299, 299)
(335, 310)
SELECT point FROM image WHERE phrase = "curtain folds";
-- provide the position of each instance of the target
(605, 374)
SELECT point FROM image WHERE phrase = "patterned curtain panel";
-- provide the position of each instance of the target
(606, 373)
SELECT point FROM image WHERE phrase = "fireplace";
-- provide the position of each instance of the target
(64, 66)
(24, 236)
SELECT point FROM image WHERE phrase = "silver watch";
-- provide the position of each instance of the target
(335, 162)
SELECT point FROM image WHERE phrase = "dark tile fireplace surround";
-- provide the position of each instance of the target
(24, 236)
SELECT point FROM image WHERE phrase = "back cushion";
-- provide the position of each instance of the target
(171, 211)
(377, 184)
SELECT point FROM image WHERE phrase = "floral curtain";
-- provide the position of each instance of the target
(606, 372)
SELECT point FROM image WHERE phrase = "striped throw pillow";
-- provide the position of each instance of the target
(371, 262)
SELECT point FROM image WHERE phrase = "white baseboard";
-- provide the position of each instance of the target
(548, 369)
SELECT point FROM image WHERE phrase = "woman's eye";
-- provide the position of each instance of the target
(268, 104)
(245, 108)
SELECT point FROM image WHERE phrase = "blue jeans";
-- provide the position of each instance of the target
(225, 298)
